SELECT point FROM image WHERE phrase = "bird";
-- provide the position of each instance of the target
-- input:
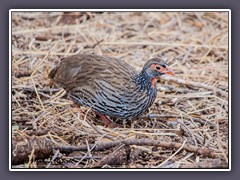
(109, 86)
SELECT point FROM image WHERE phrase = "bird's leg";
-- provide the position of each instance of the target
(107, 122)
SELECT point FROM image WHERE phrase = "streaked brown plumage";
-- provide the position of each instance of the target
(109, 86)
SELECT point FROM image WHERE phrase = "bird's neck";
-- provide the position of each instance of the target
(146, 82)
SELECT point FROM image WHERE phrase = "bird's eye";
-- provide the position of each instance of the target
(158, 67)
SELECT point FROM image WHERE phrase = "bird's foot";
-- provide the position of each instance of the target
(107, 122)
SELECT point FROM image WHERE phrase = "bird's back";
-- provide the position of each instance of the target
(85, 69)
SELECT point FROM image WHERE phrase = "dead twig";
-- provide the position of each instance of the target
(23, 74)
(37, 132)
(140, 142)
(94, 45)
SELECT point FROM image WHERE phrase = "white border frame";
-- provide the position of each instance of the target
(119, 10)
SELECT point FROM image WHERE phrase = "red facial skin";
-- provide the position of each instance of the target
(153, 80)
(163, 70)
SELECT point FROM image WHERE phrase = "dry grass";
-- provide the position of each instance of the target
(192, 111)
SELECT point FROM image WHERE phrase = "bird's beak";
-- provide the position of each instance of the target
(168, 71)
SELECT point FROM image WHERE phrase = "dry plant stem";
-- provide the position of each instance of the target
(186, 129)
(31, 157)
(195, 84)
(213, 163)
(164, 162)
(99, 130)
(51, 90)
(170, 89)
(141, 142)
(201, 121)
(177, 163)
(53, 158)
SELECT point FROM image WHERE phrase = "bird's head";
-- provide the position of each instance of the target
(156, 67)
